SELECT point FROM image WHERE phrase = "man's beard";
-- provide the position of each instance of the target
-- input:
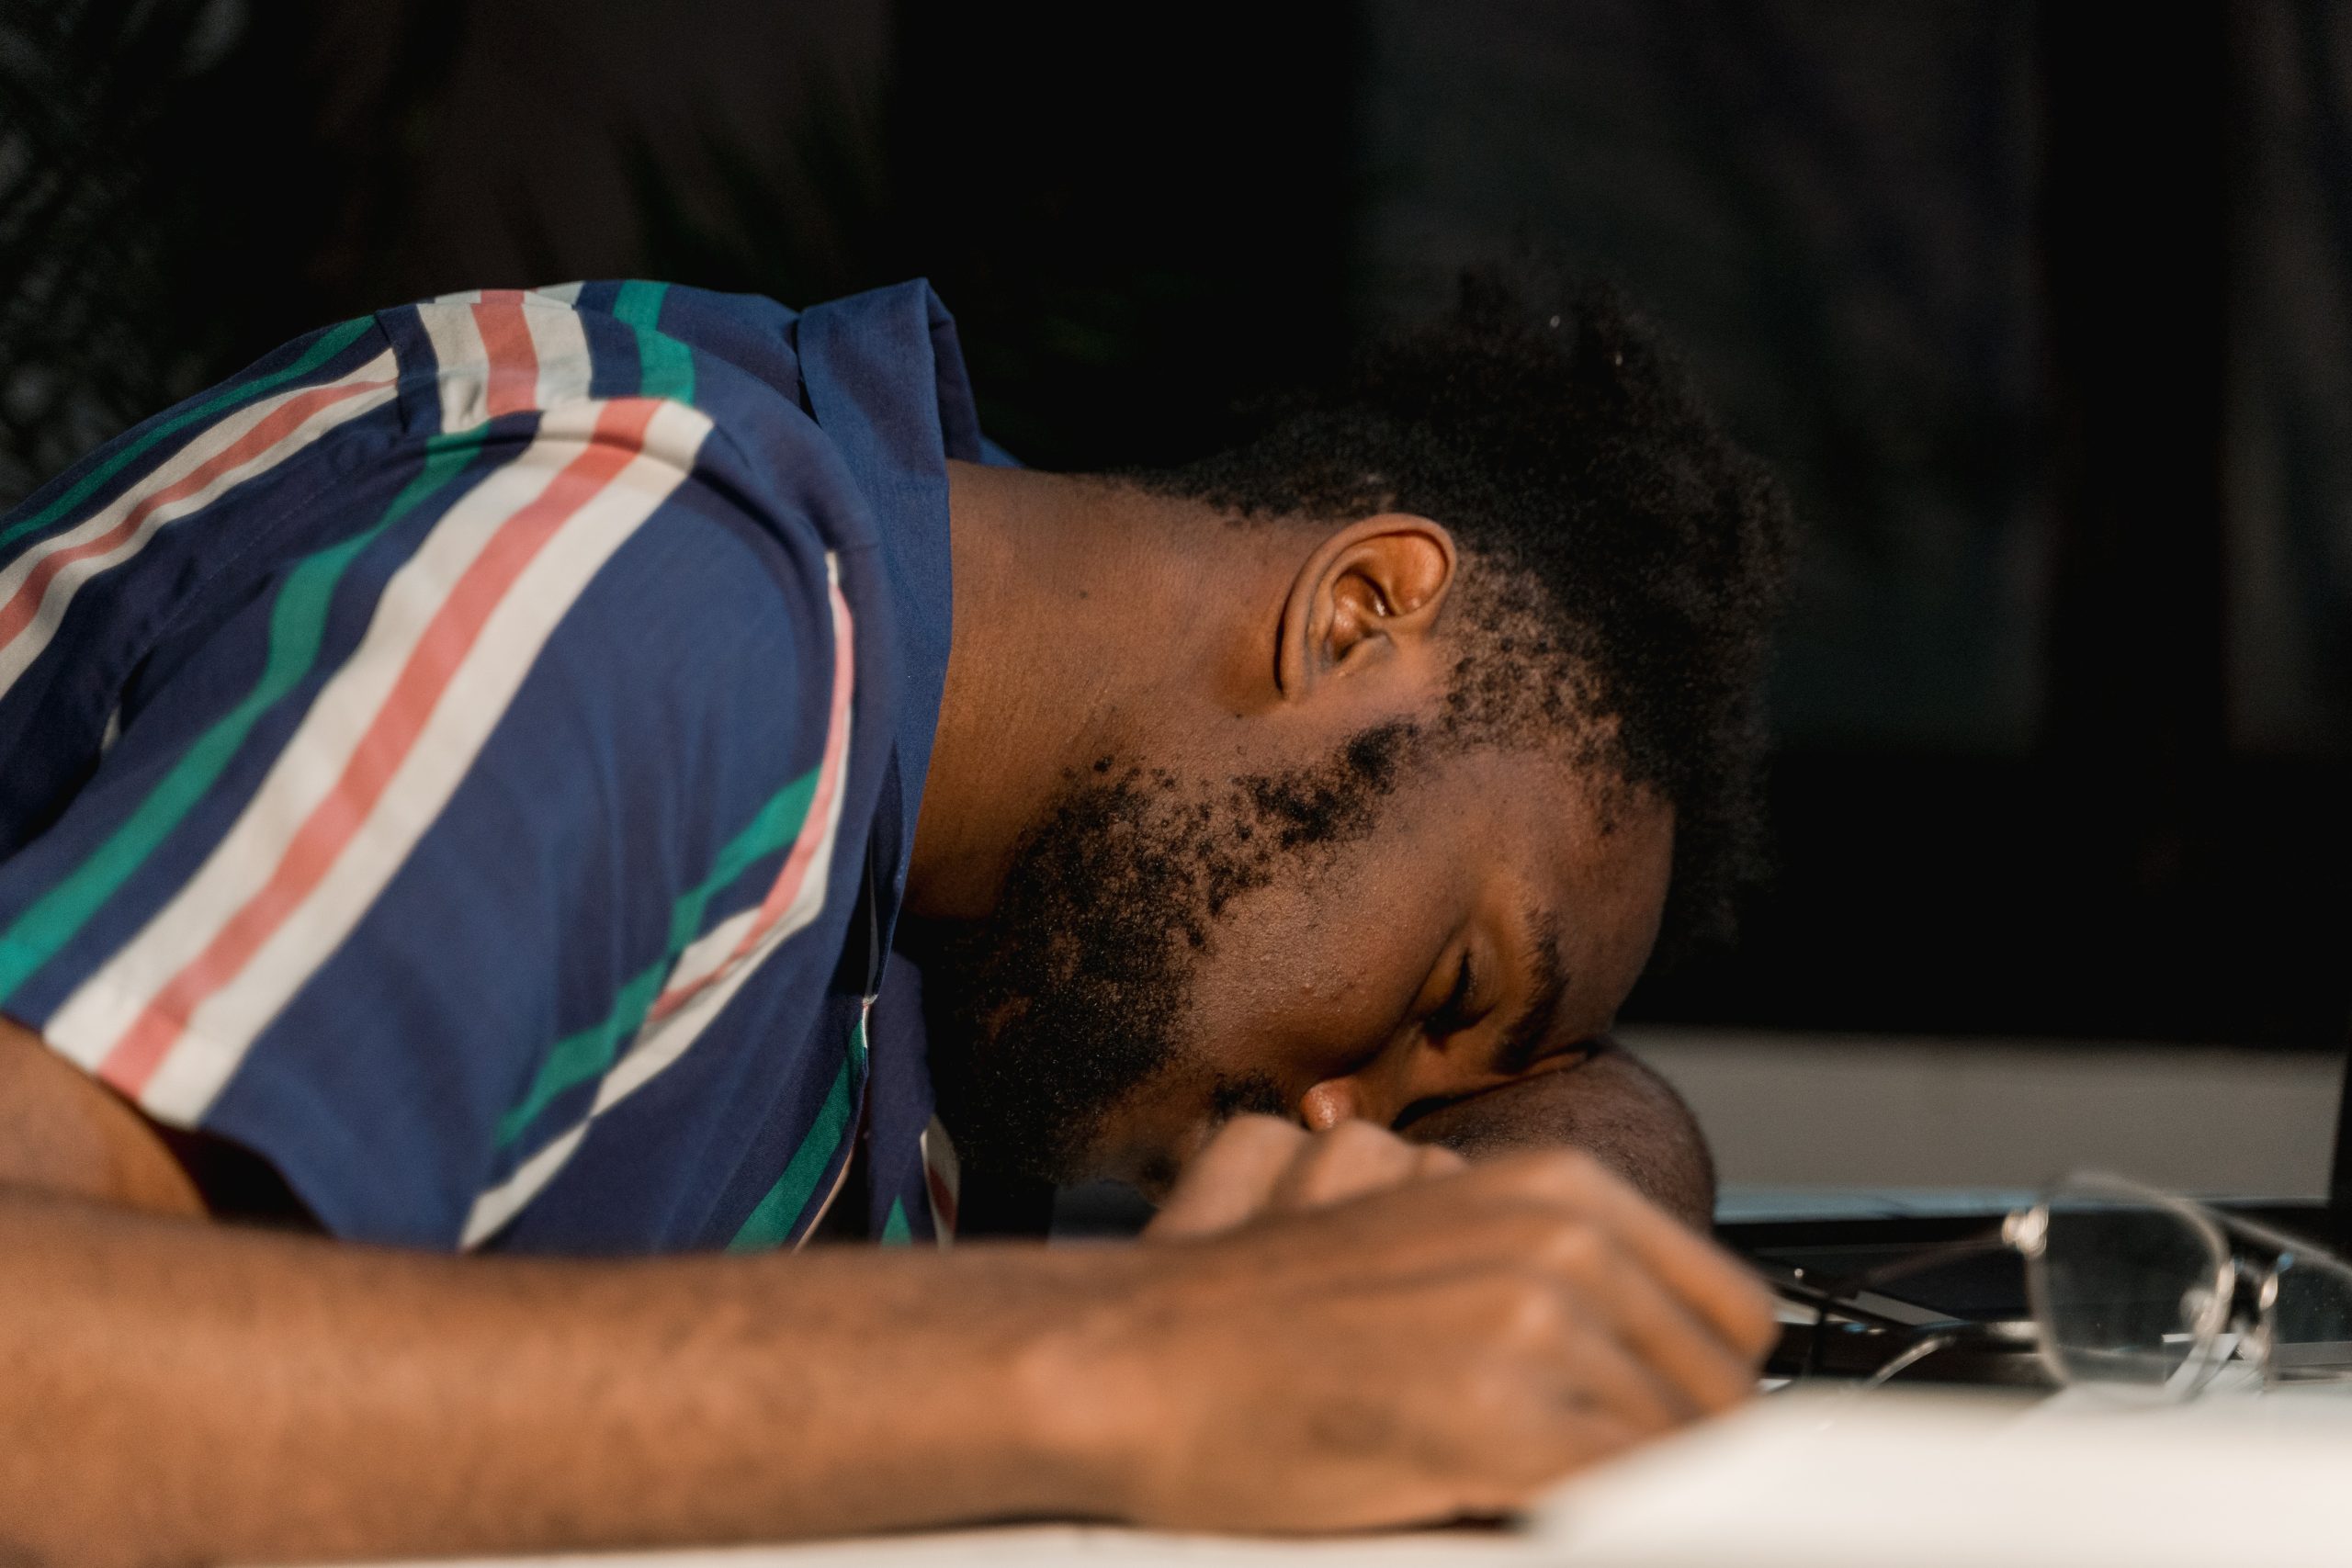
(1070, 995)
(1074, 992)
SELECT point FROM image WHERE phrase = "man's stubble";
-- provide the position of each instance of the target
(1073, 996)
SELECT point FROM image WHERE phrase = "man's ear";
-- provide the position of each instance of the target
(1362, 592)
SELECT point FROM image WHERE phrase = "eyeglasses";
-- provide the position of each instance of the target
(2143, 1294)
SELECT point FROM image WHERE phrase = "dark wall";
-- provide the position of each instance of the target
(2045, 313)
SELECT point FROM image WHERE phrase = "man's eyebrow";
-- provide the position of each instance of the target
(1549, 985)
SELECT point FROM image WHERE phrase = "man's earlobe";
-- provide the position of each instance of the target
(1361, 593)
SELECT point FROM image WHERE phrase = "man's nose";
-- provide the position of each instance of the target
(1380, 1092)
(1331, 1103)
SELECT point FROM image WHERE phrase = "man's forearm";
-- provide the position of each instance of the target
(175, 1390)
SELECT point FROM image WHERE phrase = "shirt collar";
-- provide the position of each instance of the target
(885, 379)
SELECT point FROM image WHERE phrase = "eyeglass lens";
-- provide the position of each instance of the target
(2130, 1292)
(2310, 1319)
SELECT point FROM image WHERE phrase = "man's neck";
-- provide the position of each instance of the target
(1082, 623)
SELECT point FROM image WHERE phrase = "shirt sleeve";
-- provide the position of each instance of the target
(387, 871)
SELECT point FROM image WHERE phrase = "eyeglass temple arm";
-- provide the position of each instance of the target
(1915, 1263)
(1837, 1290)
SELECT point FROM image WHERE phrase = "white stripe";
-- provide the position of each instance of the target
(463, 360)
(19, 655)
(806, 904)
(559, 341)
(561, 344)
(657, 1046)
(705, 956)
(222, 1027)
(501, 1203)
(660, 1042)
(562, 293)
(475, 700)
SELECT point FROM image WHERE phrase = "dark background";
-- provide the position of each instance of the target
(2045, 311)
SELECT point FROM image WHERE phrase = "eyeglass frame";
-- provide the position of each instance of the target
(2025, 1232)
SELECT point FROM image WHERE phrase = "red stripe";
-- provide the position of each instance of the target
(794, 869)
(513, 382)
(332, 823)
(281, 422)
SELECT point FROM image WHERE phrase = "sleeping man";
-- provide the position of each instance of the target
(555, 798)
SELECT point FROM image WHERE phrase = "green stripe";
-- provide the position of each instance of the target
(665, 369)
(770, 1224)
(298, 620)
(331, 342)
(666, 366)
(776, 823)
(584, 1055)
(896, 1232)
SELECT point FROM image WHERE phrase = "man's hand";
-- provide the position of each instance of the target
(204, 1391)
(1263, 1164)
(1447, 1345)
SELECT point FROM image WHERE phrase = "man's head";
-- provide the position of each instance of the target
(1456, 710)
(1608, 1104)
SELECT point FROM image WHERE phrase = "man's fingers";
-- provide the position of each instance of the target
(1231, 1179)
(1730, 1301)
(1348, 1161)
(1436, 1159)
(1258, 1164)
(1705, 1372)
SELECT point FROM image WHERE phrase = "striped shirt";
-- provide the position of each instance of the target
(470, 760)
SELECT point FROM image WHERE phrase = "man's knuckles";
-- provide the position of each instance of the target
(1534, 1320)
(1576, 1251)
